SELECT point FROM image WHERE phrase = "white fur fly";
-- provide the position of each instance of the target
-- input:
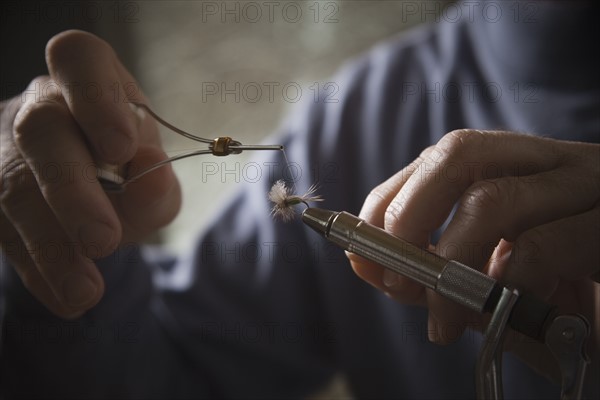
(283, 200)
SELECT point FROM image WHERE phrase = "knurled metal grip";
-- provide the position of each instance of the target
(465, 286)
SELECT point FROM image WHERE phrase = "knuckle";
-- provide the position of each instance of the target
(485, 198)
(377, 195)
(35, 118)
(8, 111)
(426, 151)
(37, 81)
(461, 141)
(11, 107)
(73, 44)
(15, 186)
(461, 138)
(44, 89)
(392, 215)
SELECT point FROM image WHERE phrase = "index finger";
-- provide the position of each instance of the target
(85, 68)
(461, 158)
(373, 212)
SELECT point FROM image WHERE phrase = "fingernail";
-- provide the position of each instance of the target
(96, 238)
(433, 329)
(138, 111)
(115, 147)
(390, 278)
(78, 290)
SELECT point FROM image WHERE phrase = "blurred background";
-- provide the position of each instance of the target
(236, 68)
(215, 68)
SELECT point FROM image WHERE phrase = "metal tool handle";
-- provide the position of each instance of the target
(488, 369)
(564, 335)
(566, 338)
(451, 279)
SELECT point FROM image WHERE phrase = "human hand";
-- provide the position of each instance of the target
(55, 218)
(528, 214)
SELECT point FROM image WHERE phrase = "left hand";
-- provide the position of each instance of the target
(528, 214)
(55, 218)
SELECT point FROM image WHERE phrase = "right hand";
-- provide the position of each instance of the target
(55, 218)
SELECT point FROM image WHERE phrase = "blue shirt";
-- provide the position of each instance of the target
(263, 309)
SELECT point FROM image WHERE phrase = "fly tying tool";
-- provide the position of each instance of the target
(112, 181)
(563, 335)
